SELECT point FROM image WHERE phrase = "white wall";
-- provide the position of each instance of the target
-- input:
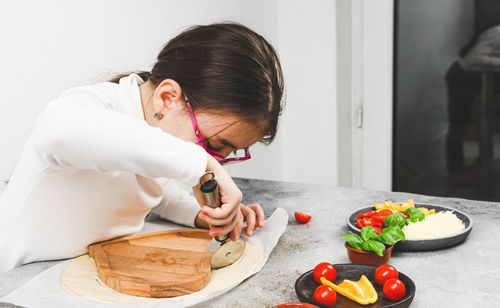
(308, 49)
(49, 46)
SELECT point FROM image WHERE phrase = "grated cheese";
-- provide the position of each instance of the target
(437, 225)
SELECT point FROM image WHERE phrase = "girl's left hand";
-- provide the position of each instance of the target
(253, 215)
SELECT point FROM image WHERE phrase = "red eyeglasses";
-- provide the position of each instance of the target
(221, 159)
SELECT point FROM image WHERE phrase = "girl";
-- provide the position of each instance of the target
(102, 157)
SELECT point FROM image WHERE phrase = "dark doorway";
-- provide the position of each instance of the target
(446, 106)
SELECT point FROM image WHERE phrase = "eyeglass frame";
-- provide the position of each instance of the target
(221, 159)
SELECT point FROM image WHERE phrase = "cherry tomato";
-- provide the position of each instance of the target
(384, 272)
(302, 218)
(366, 214)
(324, 269)
(394, 289)
(363, 222)
(378, 219)
(381, 215)
(384, 212)
(325, 295)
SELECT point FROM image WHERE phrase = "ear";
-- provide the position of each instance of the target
(167, 95)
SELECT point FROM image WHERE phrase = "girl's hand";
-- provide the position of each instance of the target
(228, 217)
(254, 216)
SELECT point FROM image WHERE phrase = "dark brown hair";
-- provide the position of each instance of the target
(225, 68)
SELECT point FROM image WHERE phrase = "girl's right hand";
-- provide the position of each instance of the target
(227, 217)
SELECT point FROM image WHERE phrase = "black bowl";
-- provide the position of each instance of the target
(305, 286)
(422, 244)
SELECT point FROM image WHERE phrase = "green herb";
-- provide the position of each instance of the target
(391, 235)
(415, 214)
(375, 246)
(368, 233)
(370, 241)
(395, 220)
(353, 240)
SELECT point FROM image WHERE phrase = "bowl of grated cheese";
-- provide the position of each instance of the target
(441, 224)
(448, 227)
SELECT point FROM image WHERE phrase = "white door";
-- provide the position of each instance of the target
(365, 74)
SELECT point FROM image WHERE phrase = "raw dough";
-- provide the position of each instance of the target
(80, 278)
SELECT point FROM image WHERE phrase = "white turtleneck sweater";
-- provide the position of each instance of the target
(92, 170)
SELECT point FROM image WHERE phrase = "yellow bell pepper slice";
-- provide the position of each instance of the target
(423, 210)
(426, 211)
(394, 207)
(361, 291)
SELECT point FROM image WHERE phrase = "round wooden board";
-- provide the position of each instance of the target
(159, 264)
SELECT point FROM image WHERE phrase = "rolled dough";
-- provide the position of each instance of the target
(80, 278)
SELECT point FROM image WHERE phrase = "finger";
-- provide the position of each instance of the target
(217, 222)
(224, 229)
(250, 218)
(224, 211)
(234, 236)
(259, 213)
(239, 226)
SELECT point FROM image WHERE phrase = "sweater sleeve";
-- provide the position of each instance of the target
(177, 205)
(84, 133)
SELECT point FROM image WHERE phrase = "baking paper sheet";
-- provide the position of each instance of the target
(45, 290)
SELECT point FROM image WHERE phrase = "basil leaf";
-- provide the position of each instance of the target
(375, 246)
(411, 210)
(395, 220)
(391, 235)
(353, 240)
(415, 214)
(368, 233)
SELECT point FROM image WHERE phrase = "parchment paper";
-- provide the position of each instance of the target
(45, 290)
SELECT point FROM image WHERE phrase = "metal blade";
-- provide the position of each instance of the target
(227, 253)
(213, 245)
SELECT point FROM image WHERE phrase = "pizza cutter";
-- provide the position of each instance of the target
(225, 252)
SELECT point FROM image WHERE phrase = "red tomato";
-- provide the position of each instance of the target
(302, 218)
(377, 223)
(384, 272)
(378, 219)
(377, 230)
(363, 222)
(381, 215)
(325, 295)
(324, 269)
(366, 214)
(384, 212)
(394, 289)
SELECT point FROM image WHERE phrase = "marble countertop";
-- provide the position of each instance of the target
(466, 275)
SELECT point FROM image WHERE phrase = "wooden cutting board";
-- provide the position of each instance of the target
(159, 264)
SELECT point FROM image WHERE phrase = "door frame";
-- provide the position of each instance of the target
(372, 29)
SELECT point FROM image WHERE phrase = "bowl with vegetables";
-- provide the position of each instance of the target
(355, 285)
(372, 248)
(425, 226)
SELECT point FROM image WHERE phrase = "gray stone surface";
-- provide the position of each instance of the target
(467, 275)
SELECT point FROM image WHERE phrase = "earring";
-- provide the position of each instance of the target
(158, 116)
